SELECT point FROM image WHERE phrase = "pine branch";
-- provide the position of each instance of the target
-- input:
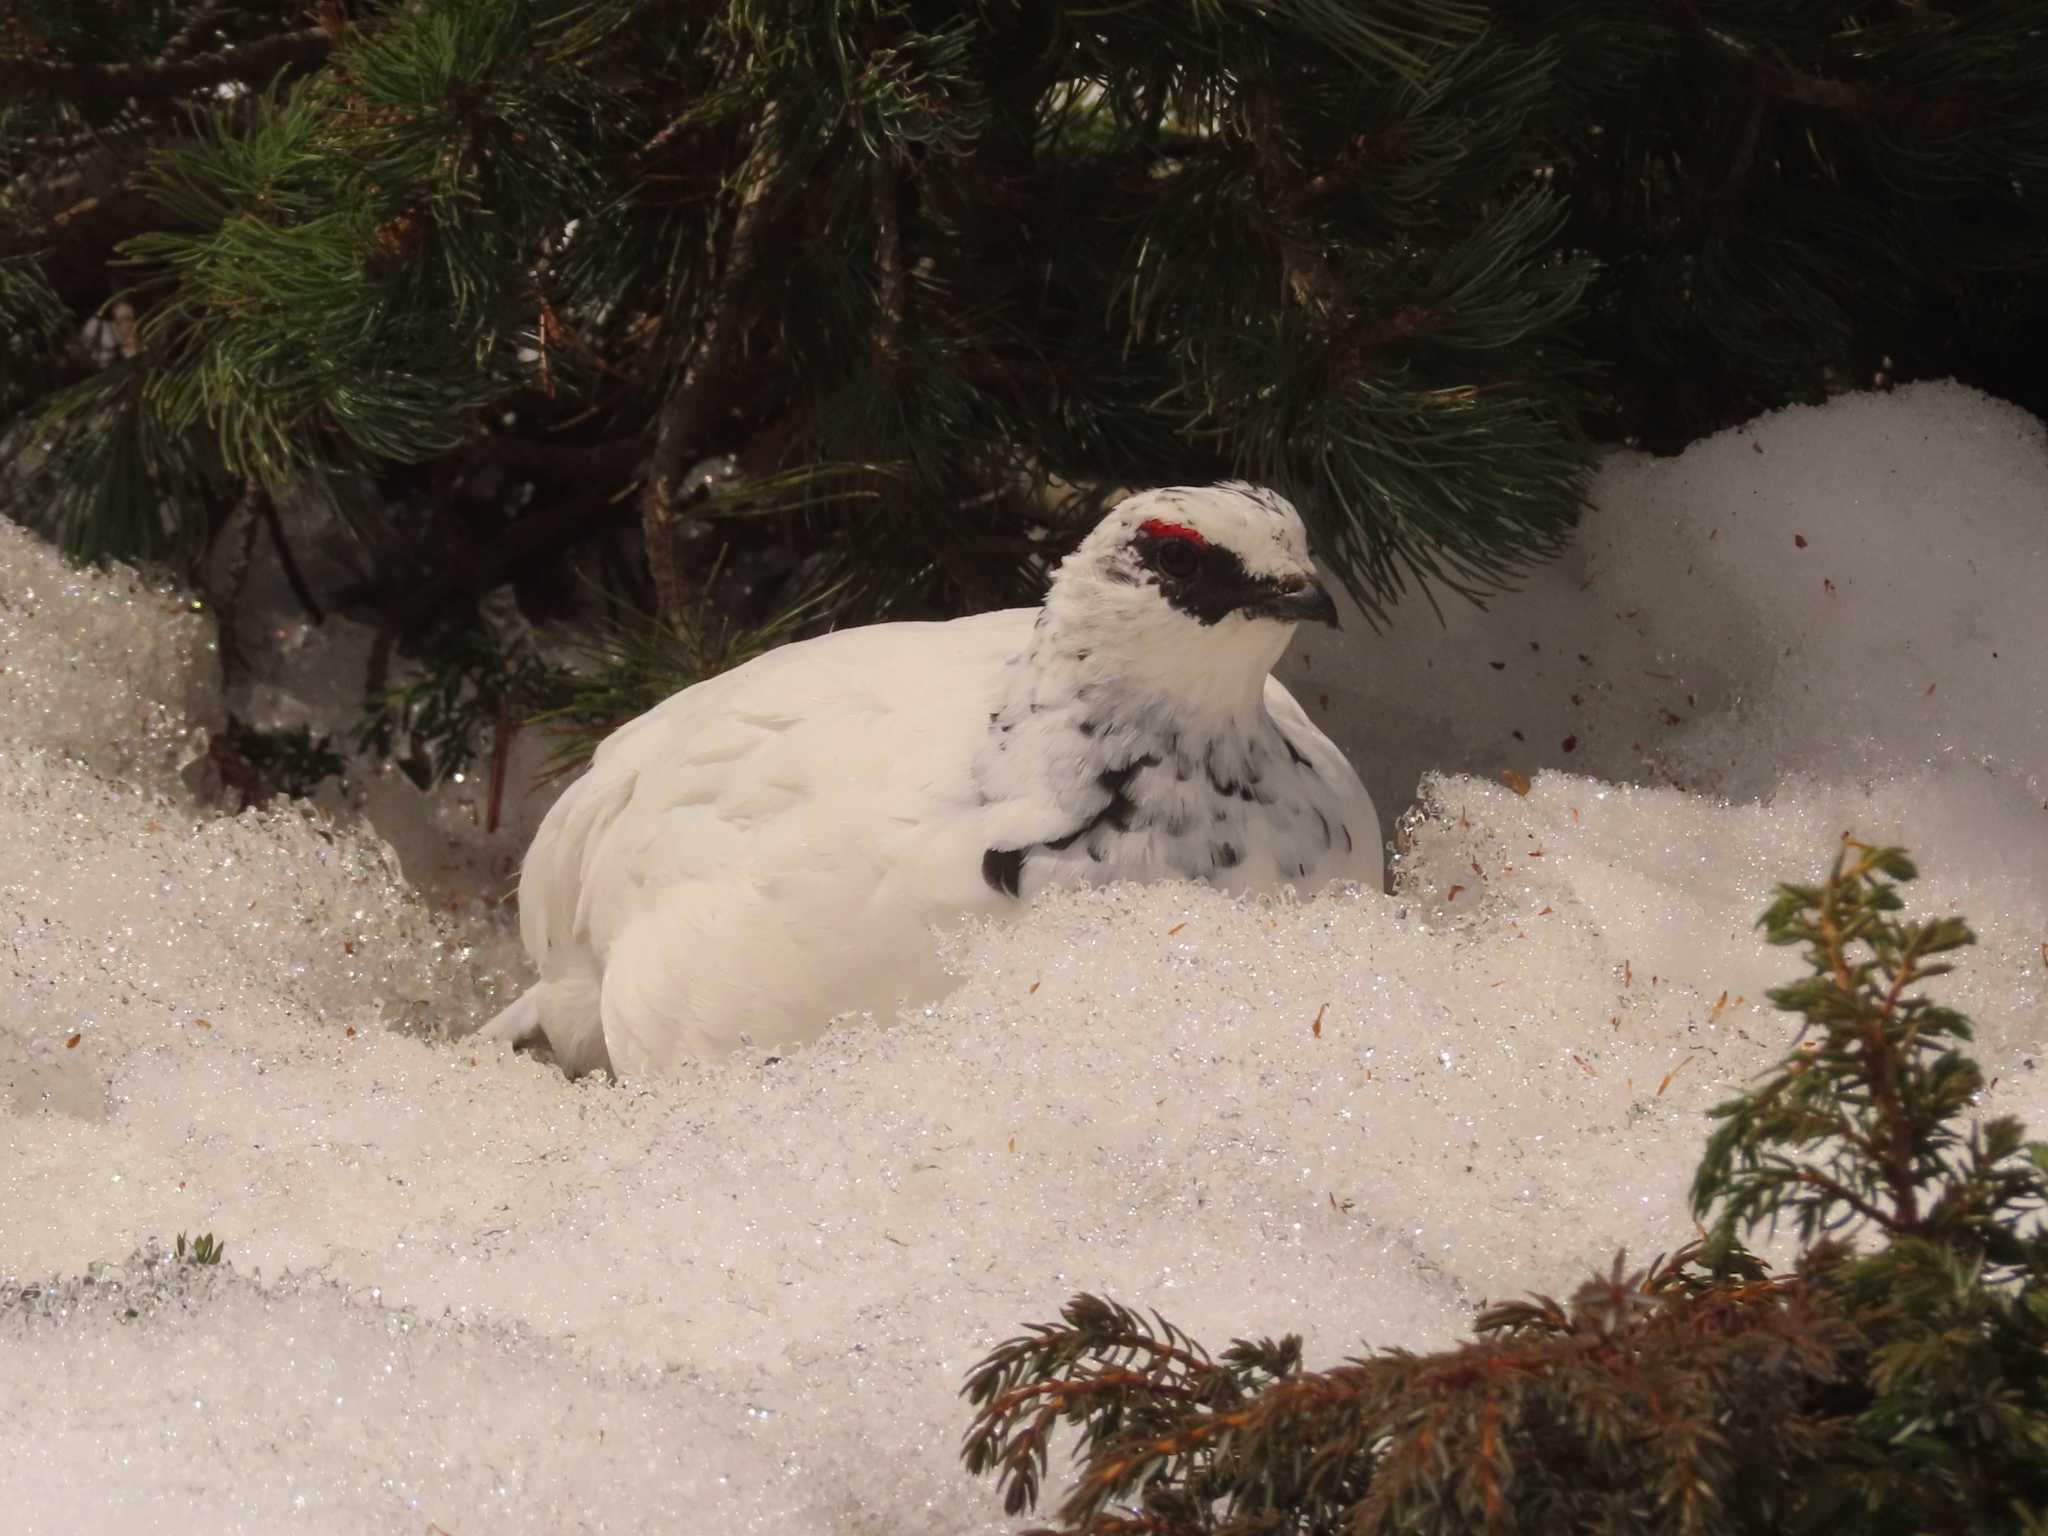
(1834, 1189)
(687, 414)
(569, 463)
(1287, 192)
(187, 37)
(549, 526)
(266, 506)
(242, 528)
(76, 243)
(249, 63)
(1781, 81)
(90, 192)
(1317, 244)
(891, 274)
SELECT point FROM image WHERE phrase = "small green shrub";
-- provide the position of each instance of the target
(203, 1249)
(1894, 1380)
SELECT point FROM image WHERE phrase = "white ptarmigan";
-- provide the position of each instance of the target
(775, 846)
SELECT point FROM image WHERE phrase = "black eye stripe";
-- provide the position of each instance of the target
(1215, 585)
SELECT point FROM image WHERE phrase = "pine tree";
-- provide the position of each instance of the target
(852, 308)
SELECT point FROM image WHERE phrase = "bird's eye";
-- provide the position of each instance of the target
(1176, 558)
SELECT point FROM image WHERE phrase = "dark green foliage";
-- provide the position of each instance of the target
(935, 275)
(472, 691)
(290, 762)
(432, 724)
(1865, 1111)
(32, 340)
(1895, 1380)
(1780, 192)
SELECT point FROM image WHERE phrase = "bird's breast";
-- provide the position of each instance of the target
(1249, 811)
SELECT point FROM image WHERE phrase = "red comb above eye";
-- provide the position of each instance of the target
(1160, 528)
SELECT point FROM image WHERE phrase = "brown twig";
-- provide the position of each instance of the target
(295, 578)
(1288, 192)
(1885, 1091)
(227, 601)
(186, 38)
(669, 130)
(67, 146)
(1836, 1190)
(585, 478)
(1064, 1390)
(1897, 1153)
(687, 413)
(567, 519)
(1737, 175)
(1782, 81)
(248, 63)
(551, 329)
(76, 243)
(892, 279)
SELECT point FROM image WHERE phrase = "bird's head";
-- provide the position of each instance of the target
(1191, 587)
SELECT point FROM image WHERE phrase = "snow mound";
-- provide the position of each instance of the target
(108, 667)
(145, 926)
(465, 1293)
(345, 1416)
(1847, 588)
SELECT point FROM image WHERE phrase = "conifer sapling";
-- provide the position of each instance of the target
(1894, 1379)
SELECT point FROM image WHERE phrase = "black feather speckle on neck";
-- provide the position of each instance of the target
(1003, 868)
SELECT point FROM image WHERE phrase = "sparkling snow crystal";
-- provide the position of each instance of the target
(107, 668)
(463, 1293)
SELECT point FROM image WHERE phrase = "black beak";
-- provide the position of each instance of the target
(1302, 602)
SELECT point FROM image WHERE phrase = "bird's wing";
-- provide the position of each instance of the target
(766, 831)
(1366, 860)
(556, 877)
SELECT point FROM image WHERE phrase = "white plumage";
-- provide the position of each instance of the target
(776, 845)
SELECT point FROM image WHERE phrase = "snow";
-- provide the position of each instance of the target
(1822, 590)
(107, 669)
(463, 1293)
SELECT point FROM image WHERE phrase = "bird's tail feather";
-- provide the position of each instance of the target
(566, 1013)
(518, 1023)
